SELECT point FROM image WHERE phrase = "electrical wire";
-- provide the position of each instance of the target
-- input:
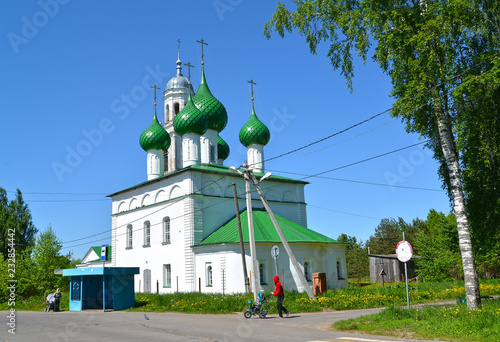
(360, 182)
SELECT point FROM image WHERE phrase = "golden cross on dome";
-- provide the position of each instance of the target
(155, 87)
(252, 83)
(202, 42)
(189, 65)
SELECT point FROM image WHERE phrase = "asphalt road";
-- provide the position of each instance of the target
(94, 325)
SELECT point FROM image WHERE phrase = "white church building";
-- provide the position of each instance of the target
(180, 227)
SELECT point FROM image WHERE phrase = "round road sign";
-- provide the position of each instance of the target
(404, 251)
(275, 251)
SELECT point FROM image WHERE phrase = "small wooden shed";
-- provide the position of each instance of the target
(388, 269)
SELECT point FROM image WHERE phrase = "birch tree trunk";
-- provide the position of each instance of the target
(469, 267)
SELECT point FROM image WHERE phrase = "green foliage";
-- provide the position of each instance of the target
(390, 231)
(356, 257)
(34, 271)
(47, 257)
(15, 217)
(439, 256)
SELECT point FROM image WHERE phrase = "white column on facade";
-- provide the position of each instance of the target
(255, 156)
(190, 149)
(155, 164)
(207, 140)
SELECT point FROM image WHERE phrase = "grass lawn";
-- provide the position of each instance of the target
(452, 323)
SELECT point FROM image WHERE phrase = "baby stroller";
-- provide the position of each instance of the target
(258, 308)
(51, 302)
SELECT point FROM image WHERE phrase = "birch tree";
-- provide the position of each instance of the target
(433, 51)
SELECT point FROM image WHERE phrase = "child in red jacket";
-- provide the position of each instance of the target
(279, 293)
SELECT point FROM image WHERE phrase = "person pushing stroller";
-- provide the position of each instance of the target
(52, 301)
(278, 292)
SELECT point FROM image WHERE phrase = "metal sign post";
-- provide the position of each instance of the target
(104, 250)
(404, 252)
(275, 253)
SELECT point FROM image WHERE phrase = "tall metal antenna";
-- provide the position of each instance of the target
(202, 42)
(252, 83)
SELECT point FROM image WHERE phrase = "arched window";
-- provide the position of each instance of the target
(147, 234)
(209, 275)
(129, 236)
(263, 272)
(166, 230)
(212, 153)
(339, 270)
(167, 112)
(176, 108)
(307, 271)
(167, 276)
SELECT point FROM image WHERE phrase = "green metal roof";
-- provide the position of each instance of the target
(190, 120)
(264, 231)
(254, 132)
(97, 250)
(222, 148)
(211, 108)
(155, 137)
(209, 168)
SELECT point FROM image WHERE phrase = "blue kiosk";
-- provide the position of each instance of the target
(101, 287)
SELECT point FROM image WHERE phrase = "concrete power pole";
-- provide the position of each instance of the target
(242, 247)
(255, 276)
(295, 264)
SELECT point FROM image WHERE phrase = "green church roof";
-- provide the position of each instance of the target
(254, 132)
(264, 231)
(211, 108)
(155, 137)
(222, 148)
(97, 250)
(190, 120)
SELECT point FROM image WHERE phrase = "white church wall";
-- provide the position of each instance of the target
(191, 220)
(227, 269)
(159, 252)
(320, 258)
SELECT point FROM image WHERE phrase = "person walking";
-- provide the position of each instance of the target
(57, 296)
(278, 292)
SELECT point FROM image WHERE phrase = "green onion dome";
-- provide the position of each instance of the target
(155, 137)
(254, 132)
(222, 148)
(214, 111)
(190, 120)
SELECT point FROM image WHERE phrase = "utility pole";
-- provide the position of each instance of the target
(305, 285)
(253, 252)
(242, 247)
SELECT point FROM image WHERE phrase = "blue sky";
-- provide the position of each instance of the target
(76, 97)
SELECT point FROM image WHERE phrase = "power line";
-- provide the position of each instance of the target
(66, 200)
(343, 212)
(364, 160)
(142, 217)
(353, 137)
(385, 111)
(62, 193)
